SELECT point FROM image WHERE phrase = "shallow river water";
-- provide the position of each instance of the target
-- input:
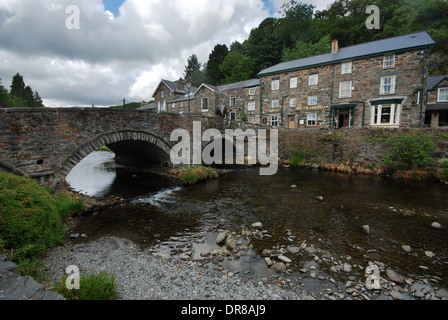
(161, 215)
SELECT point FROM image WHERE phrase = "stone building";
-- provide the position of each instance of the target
(167, 91)
(437, 102)
(371, 84)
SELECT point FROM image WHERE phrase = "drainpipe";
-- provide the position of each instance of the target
(423, 87)
(331, 99)
(261, 100)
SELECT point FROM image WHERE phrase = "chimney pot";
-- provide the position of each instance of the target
(335, 46)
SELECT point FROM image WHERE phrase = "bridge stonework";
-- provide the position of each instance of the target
(45, 144)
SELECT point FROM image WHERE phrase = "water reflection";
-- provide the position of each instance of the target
(94, 175)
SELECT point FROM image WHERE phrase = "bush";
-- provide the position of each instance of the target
(91, 287)
(408, 152)
(31, 217)
(194, 174)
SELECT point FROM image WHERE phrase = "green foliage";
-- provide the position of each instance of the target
(307, 49)
(195, 174)
(192, 66)
(20, 95)
(31, 217)
(408, 152)
(91, 288)
(216, 57)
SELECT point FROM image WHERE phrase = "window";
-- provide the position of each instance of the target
(311, 120)
(232, 101)
(232, 115)
(388, 85)
(313, 80)
(389, 62)
(274, 104)
(162, 94)
(204, 104)
(443, 95)
(293, 102)
(251, 120)
(275, 85)
(345, 89)
(251, 106)
(346, 68)
(173, 105)
(312, 101)
(162, 105)
(252, 91)
(293, 83)
(181, 104)
(386, 114)
(274, 121)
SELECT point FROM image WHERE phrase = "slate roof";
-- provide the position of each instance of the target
(409, 41)
(434, 81)
(232, 86)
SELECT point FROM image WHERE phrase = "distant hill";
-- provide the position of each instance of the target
(130, 105)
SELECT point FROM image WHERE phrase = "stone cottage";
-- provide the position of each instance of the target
(372, 84)
(437, 102)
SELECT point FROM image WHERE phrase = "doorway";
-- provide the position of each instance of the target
(344, 118)
(292, 122)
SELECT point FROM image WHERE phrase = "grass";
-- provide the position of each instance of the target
(31, 220)
(91, 287)
(195, 174)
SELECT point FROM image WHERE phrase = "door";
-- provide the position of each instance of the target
(292, 122)
(344, 119)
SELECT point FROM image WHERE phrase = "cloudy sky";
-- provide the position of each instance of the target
(122, 48)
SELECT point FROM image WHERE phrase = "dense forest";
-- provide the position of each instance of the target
(300, 31)
(20, 95)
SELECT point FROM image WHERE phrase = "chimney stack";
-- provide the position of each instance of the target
(335, 46)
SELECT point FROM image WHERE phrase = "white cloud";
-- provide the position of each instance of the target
(110, 58)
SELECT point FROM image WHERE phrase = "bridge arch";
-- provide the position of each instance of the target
(142, 147)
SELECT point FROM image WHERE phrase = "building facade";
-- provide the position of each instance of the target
(379, 84)
(437, 102)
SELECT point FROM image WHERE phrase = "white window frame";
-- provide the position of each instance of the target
(252, 91)
(313, 80)
(345, 89)
(274, 121)
(293, 102)
(162, 94)
(312, 100)
(377, 115)
(251, 106)
(275, 104)
(181, 104)
(310, 119)
(275, 85)
(389, 61)
(251, 119)
(232, 97)
(173, 105)
(162, 106)
(202, 104)
(293, 83)
(346, 68)
(383, 85)
(439, 95)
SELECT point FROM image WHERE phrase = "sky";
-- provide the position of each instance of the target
(84, 52)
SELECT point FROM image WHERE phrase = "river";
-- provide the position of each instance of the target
(324, 210)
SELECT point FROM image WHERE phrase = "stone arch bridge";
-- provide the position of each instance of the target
(46, 144)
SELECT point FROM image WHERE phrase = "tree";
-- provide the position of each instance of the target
(17, 86)
(307, 49)
(37, 101)
(214, 61)
(192, 65)
(237, 67)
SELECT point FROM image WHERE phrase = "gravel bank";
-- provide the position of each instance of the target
(142, 276)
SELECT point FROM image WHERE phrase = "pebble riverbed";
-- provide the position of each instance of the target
(183, 274)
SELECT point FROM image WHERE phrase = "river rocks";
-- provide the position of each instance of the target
(319, 198)
(284, 259)
(279, 267)
(366, 229)
(406, 248)
(436, 225)
(268, 261)
(221, 238)
(347, 267)
(395, 277)
(230, 244)
(396, 295)
(292, 249)
(257, 225)
(429, 254)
